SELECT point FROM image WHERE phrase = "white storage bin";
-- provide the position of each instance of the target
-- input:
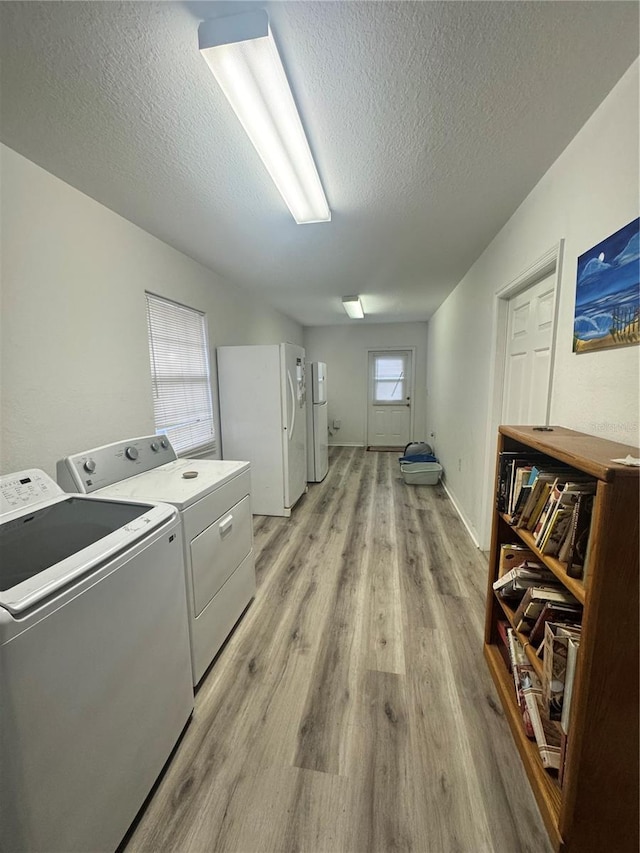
(421, 473)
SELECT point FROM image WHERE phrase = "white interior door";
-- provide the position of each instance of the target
(531, 318)
(390, 392)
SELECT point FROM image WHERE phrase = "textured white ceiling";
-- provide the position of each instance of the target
(429, 121)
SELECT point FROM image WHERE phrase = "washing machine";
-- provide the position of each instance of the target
(213, 497)
(95, 681)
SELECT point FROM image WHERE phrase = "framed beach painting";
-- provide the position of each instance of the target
(608, 293)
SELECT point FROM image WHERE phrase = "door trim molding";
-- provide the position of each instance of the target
(412, 350)
(547, 264)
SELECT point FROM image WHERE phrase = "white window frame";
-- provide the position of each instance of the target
(182, 397)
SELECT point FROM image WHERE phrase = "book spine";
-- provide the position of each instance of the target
(575, 563)
(511, 637)
(572, 656)
(546, 514)
(572, 535)
(537, 510)
(504, 476)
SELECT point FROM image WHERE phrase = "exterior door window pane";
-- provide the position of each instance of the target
(389, 379)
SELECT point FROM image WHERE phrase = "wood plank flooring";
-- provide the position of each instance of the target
(351, 711)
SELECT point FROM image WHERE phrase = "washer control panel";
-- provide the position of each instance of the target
(25, 488)
(112, 463)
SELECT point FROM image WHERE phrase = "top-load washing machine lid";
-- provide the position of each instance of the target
(145, 468)
(48, 539)
(180, 483)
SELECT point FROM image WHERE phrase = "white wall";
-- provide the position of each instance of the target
(344, 349)
(590, 192)
(74, 367)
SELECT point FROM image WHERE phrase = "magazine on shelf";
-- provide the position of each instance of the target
(546, 732)
(516, 581)
(556, 642)
(572, 656)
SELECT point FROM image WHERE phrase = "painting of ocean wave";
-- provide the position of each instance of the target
(608, 292)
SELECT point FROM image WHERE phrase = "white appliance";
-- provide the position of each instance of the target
(262, 393)
(95, 681)
(317, 422)
(213, 498)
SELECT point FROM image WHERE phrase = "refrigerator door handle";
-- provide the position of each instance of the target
(293, 404)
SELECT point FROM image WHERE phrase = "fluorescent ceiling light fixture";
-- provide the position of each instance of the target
(353, 307)
(244, 59)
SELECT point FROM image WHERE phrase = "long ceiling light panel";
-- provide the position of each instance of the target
(353, 307)
(244, 59)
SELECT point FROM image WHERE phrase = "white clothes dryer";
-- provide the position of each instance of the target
(213, 498)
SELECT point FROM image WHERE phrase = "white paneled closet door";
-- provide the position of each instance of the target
(529, 354)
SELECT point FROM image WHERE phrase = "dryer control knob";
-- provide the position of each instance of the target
(164, 443)
(155, 446)
(131, 453)
(89, 466)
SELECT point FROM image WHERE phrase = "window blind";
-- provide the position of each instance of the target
(388, 379)
(180, 374)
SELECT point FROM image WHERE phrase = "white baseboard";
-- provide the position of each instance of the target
(469, 527)
(346, 444)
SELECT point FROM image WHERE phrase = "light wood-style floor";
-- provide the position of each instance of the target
(351, 711)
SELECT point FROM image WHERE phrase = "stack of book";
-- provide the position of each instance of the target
(513, 475)
(515, 582)
(551, 598)
(551, 501)
(574, 549)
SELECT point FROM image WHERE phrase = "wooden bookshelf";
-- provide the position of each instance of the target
(597, 807)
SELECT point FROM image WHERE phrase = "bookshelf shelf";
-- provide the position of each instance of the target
(597, 806)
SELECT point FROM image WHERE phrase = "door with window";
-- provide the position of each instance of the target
(389, 399)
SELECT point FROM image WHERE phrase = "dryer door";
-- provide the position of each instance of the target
(218, 551)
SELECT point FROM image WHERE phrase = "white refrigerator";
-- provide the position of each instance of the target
(262, 393)
(317, 422)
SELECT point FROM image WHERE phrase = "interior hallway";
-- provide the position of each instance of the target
(351, 710)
